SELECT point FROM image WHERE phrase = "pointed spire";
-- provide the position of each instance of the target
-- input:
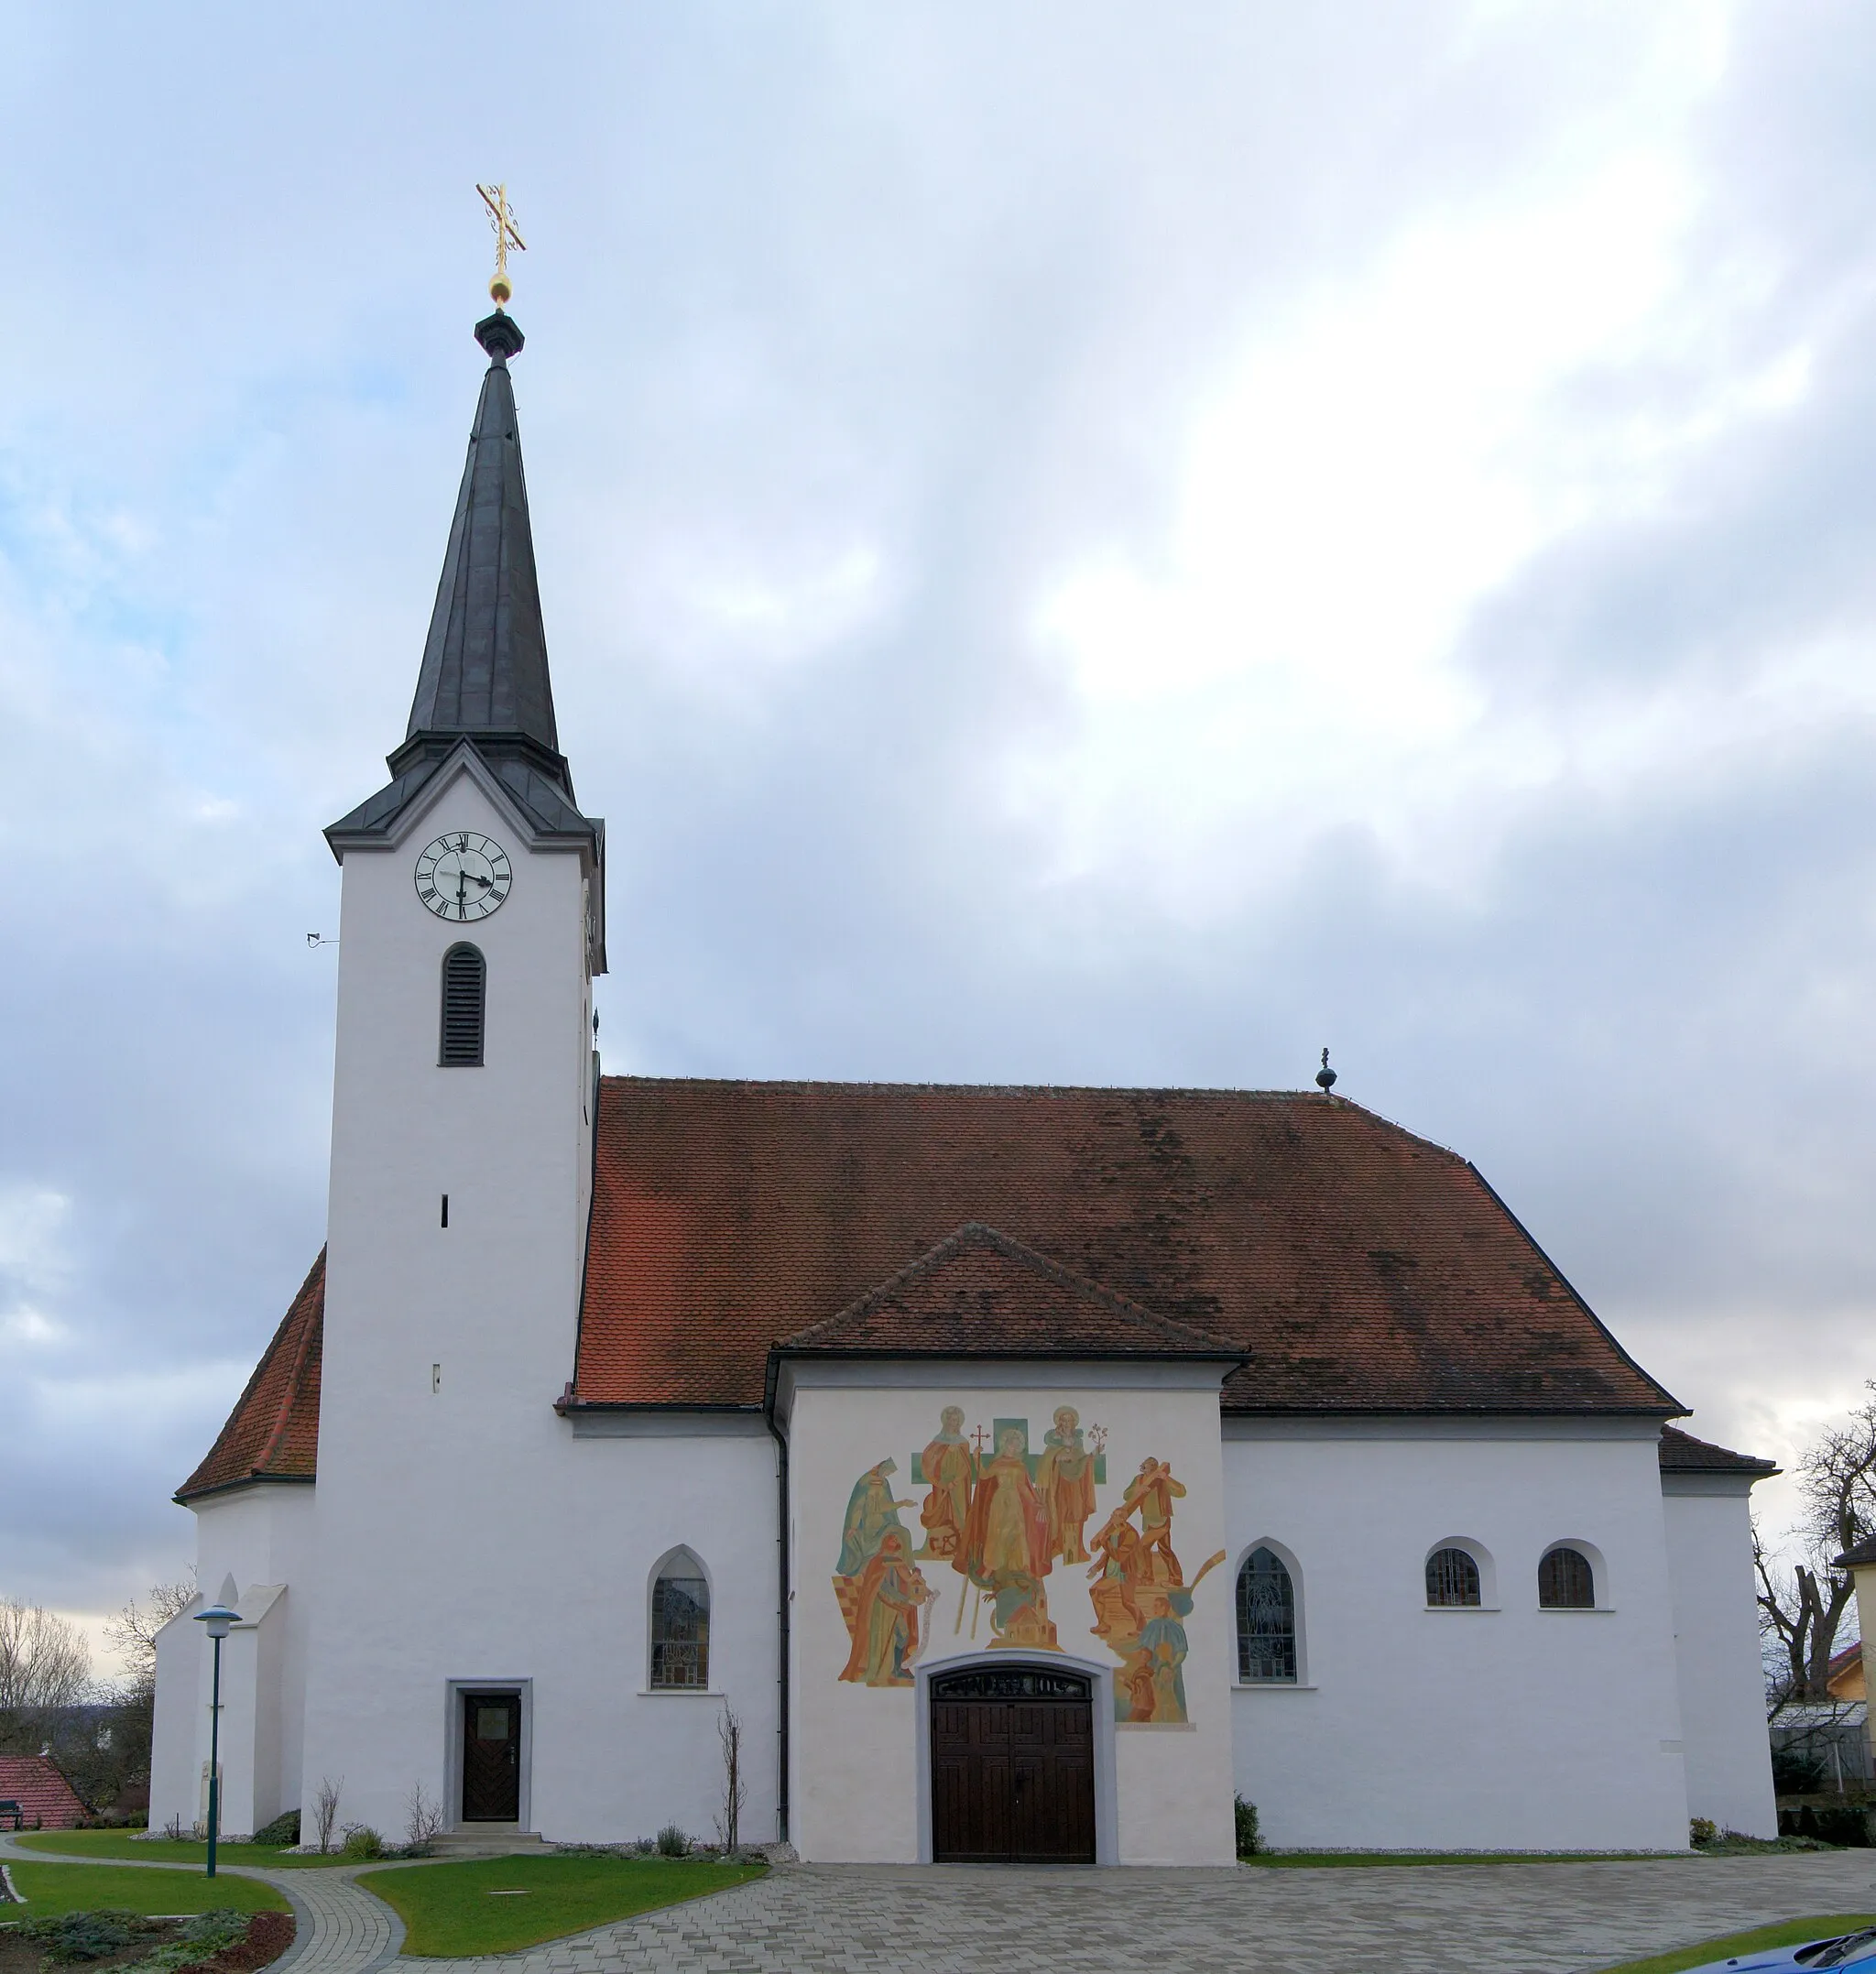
(484, 662)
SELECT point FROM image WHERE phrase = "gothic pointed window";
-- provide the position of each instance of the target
(465, 997)
(1266, 1619)
(1565, 1581)
(1452, 1580)
(679, 1622)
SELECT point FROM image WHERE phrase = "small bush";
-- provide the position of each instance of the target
(75, 1936)
(1702, 1831)
(672, 1842)
(216, 1929)
(362, 1841)
(282, 1830)
(1245, 1813)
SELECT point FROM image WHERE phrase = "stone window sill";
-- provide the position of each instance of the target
(1276, 1686)
(1577, 1611)
(1463, 1610)
(680, 1693)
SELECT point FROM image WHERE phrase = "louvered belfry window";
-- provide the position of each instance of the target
(466, 995)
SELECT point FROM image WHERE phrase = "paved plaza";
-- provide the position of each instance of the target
(953, 1919)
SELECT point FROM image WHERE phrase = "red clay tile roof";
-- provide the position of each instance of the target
(979, 1293)
(45, 1799)
(273, 1432)
(1681, 1453)
(1361, 1268)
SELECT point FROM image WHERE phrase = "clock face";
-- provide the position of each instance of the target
(463, 877)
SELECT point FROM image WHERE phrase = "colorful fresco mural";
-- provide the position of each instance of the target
(879, 1586)
(1002, 1517)
(1142, 1599)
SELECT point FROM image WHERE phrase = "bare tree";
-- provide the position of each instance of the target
(45, 1665)
(1801, 1605)
(729, 1818)
(423, 1819)
(134, 1632)
(325, 1810)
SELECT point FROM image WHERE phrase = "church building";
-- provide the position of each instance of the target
(1026, 1472)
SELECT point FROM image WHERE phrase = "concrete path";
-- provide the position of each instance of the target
(1424, 1919)
(338, 1927)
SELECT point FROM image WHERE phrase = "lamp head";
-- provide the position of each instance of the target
(217, 1619)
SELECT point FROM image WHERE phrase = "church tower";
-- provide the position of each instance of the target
(472, 925)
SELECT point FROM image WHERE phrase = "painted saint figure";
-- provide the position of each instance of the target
(1163, 1643)
(871, 1511)
(885, 1619)
(951, 1468)
(1153, 1492)
(1066, 1474)
(1006, 1547)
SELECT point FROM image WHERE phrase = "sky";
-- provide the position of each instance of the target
(1079, 543)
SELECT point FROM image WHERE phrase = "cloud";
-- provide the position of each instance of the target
(1076, 546)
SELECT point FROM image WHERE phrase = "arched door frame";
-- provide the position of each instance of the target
(1099, 1675)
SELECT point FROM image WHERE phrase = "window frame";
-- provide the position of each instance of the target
(1593, 1560)
(1478, 1556)
(1286, 1560)
(681, 1564)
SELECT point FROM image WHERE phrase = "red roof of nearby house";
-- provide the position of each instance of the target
(45, 1799)
(273, 1432)
(1355, 1267)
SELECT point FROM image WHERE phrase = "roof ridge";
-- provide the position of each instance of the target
(980, 1234)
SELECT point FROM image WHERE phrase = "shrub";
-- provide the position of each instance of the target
(1702, 1830)
(672, 1842)
(282, 1830)
(362, 1841)
(71, 1936)
(1248, 1841)
(214, 1929)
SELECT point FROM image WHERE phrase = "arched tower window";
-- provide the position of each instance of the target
(466, 995)
(1565, 1581)
(681, 1622)
(1452, 1578)
(1266, 1619)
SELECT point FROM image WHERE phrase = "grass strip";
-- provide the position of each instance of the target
(1321, 1861)
(453, 1911)
(1790, 1933)
(167, 1850)
(51, 1889)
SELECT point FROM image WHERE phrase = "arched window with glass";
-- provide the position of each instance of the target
(1452, 1580)
(1565, 1580)
(1266, 1619)
(679, 1623)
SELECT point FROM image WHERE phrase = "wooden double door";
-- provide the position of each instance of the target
(1013, 1767)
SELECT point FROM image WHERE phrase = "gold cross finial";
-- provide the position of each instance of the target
(495, 198)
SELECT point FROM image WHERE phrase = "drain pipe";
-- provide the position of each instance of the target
(781, 1612)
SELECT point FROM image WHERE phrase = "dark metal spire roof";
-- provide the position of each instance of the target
(484, 662)
(484, 680)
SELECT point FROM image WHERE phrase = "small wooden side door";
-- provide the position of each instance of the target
(491, 1758)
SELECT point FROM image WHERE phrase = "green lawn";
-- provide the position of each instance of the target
(1794, 1934)
(1317, 1860)
(49, 1889)
(161, 1850)
(455, 1910)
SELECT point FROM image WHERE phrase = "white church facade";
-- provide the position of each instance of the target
(1031, 1470)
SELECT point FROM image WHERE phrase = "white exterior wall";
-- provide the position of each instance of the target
(1504, 1728)
(261, 1537)
(465, 1535)
(857, 1782)
(1709, 1550)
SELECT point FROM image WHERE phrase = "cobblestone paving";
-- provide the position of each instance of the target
(1429, 1919)
(338, 1929)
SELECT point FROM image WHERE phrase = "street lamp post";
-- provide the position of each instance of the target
(217, 1618)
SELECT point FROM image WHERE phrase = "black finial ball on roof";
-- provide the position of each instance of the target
(1326, 1076)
